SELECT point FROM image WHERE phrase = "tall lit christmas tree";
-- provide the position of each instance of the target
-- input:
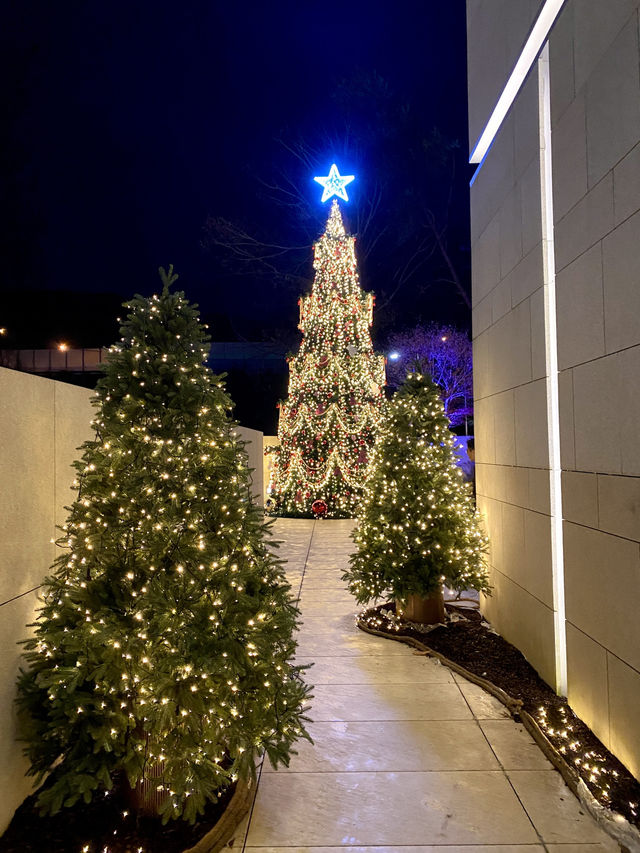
(417, 524)
(329, 421)
(163, 649)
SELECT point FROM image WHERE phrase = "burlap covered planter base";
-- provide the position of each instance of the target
(220, 834)
(145, 798)
(428, 611)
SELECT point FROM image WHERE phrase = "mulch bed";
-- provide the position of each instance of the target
(470, 642)
(101, 826)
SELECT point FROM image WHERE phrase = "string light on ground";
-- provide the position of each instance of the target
(603, 776)
(603, 785)
(591, 765)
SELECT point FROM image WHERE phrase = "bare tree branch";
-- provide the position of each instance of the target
(437, 233)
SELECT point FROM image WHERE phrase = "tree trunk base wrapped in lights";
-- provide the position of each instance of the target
(428, 610)
(147, 797)
(149, 794)
(221, 834)
(335, 399)
(167, 631)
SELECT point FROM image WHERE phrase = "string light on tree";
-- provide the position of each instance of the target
(417, 524)
(163, 650)
(329, 421)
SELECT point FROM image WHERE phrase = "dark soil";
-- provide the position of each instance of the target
(472, 644)
(102, 826)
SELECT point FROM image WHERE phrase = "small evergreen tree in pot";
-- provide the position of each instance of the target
(163, 648)
(417, 526)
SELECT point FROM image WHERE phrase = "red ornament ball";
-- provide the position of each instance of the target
(319, 508)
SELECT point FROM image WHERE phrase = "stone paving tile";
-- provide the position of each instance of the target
(317, 584)
(566, 821)
(310, 607)
(326, 595)
(608, 846)
(388, 808)
(483, 705)
(328, 599)
(328, 624)
(416, 745)
(377, 669)
(514, 746)
(405, 751)
(434, 701)
(450, 848)
(350, 643)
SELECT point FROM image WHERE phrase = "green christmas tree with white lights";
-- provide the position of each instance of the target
(329, 420)
(164, 645)
(417, 525)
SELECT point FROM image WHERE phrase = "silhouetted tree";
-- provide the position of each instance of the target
(445, 353)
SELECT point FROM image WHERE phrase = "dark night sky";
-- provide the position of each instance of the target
(127, 124)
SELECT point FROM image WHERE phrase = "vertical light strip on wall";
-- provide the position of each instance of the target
(551, 355)
(537, 37)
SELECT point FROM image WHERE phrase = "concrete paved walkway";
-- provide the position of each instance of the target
(407, 757)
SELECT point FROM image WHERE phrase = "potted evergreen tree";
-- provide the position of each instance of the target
(417, 526)
(162, 653)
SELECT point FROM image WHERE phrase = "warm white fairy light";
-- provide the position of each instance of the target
(417, 524)
(163, 550)
(594, 768)
(335, 397)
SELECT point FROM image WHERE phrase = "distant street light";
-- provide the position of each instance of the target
(394, 356)
(63, 347)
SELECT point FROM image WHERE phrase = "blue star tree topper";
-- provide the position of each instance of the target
(335, 184)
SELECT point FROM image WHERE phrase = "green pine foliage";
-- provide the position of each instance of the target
(417, 525)
(165, 640)
(329, 420)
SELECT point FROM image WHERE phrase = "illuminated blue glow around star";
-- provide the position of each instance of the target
(334, 184)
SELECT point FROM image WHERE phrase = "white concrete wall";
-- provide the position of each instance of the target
(595, 101)
(256, 461)
(512, 479)
(42, 423)
(267, 465)
(595, 76)
(501, 25)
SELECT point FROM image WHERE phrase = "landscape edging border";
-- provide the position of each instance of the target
(222, 831)
(613, 823)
